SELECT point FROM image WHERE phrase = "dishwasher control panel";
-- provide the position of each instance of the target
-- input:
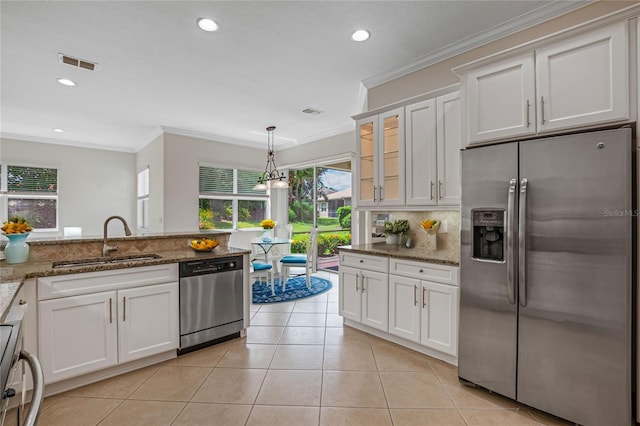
(210, 266)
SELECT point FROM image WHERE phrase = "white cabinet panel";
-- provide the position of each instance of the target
(584, 80)
(439, 318)
(375, 300)
(77, 335)
(364, 261)
(147, 321)
(404, 307)
(421, 153)
(500, 100)
(350, 300)
(449, 139)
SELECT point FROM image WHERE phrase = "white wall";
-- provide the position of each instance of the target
(152, 156)
(93, 184)
(182, 156)
(312, 152)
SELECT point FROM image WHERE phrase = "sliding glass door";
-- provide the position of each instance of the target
(320, 196)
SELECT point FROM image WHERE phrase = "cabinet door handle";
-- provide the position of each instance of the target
(431, 191)
(124, 309)
(424, 298)
(380, 192)
(415, 295)
(110, 310)
(374, 193)
(357, 288)
(542, 108)
(439, 190)
(528, 108)
(362, 284)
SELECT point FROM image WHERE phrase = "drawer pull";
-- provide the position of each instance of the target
(361, 261)
(22, 302)
(421, 270)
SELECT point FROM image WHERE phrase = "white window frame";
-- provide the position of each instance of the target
(6, 196)
(143, 199)
(235, 197)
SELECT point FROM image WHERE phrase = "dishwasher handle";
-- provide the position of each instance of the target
(37, 395)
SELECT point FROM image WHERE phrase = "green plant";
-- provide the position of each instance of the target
(205, 218)
(344, 214)
(400, 226)
(327, 243)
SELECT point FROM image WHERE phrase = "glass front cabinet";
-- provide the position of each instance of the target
(381, 159)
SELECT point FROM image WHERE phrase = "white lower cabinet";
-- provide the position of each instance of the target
(364, 297)
(416, 301)
(424, 312)
(147, 321)
(78, 335)
(82, 333)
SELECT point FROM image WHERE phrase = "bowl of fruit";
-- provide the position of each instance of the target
(430, 226)
(203, 244)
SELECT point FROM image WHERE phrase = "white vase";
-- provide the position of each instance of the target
(393, 239)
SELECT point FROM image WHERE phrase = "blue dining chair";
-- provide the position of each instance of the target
(261, 269)
(306, 261)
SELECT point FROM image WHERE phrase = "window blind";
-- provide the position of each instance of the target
(32, 179)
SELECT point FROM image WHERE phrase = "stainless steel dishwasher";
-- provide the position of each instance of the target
(211, 304)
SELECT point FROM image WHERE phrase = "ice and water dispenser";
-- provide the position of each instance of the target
(488, 235)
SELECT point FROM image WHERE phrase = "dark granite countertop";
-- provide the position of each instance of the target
(401, 252)
(12, 276)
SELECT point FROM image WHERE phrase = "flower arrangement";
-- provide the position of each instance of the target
(400, 226)
(16, 225)
(430, 226)
(267, 224)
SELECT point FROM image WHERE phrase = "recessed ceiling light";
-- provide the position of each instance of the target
(207, 24)
(66, 82)
(58, 130)
(360, 35)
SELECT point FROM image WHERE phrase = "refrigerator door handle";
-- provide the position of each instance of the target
(522, 238)
(511, 215)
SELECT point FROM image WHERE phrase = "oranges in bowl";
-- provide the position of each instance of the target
(203, 244)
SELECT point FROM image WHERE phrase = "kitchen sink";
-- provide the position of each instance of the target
(95, 261)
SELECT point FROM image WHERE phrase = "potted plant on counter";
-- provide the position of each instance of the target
(395, 229)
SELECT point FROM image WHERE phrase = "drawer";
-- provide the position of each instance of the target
(424, 271)
(370, 263)
(93, 282)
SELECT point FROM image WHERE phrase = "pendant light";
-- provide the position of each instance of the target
(271, 173)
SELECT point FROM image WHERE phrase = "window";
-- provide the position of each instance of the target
(228, 200)
(30, 192)
(143, 199)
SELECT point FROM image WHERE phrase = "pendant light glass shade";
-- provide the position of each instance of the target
(271, 173)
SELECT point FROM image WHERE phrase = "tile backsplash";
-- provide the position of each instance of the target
(447, 242)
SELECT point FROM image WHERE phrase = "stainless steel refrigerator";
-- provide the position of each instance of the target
(547, 270)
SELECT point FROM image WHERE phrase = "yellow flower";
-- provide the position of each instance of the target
(268, 224)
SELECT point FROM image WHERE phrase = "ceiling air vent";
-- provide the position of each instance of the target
(312, 111)
(69, 60)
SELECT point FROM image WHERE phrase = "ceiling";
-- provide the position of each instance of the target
(156, 70)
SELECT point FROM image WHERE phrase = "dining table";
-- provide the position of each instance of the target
(267, 244)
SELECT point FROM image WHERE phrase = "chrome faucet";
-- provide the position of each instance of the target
(106, 249)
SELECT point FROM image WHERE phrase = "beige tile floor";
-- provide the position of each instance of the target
(297, 366)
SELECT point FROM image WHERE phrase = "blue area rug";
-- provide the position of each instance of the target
(296, 288)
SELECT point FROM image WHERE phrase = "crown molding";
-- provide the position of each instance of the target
(327, 134)
(65, 142)
(530, 19)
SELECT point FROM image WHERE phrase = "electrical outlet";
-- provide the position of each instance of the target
(443, 227)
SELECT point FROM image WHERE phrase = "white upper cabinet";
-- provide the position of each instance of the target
(433, 137)
(584, 80)
(381, 159)
(422, 174)
(500, 100)
(572, 83)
